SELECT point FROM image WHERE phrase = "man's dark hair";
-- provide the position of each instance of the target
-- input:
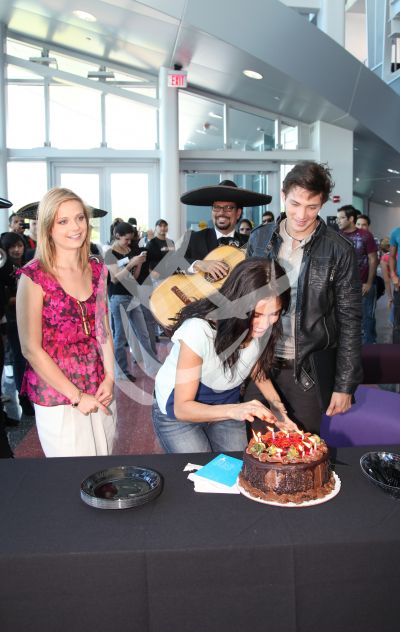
(350, 211)
(312, 176)
(268, 214)
(363, 216)
(161, 222)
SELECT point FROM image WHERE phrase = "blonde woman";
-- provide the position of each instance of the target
(64, 333)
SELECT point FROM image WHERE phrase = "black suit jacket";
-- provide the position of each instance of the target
(202, 242)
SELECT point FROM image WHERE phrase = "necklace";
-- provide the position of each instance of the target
(295, 238)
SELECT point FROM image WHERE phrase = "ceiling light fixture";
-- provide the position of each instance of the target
(84, 15)
(252, 74)
(388, 202)
(44, 59)
(101, 74)
(397, 191)
(393, 171)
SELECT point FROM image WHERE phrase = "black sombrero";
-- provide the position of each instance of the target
(29, 211)
(5, 203)
(226, 191)
(97, 212)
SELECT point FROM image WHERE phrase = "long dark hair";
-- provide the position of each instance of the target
(230, 311)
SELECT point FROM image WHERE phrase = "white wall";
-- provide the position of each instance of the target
(383, 219)
(356, 36)
(335, 146)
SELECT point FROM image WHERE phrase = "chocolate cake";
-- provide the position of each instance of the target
(286, 467)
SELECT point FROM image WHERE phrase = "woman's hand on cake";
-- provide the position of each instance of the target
(248, 411)
(287, 424)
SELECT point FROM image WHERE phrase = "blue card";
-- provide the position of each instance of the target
(223, 469)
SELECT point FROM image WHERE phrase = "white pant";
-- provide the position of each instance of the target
(65, 431)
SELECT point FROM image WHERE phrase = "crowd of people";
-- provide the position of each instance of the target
(280, 341)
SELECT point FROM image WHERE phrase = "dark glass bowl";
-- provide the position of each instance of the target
(383, 469)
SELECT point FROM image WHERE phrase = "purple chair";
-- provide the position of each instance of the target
(373, 420)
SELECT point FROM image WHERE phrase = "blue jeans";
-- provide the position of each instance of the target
(181, 436)
(368, 316)
(396, 317)
(130, 324)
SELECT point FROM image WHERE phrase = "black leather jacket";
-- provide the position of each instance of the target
(328, 307)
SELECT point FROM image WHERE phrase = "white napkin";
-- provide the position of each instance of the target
(206, 486)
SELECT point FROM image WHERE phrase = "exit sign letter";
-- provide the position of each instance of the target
(177, 79)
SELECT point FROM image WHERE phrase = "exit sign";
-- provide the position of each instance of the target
(177, 79)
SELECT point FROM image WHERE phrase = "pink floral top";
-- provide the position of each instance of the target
(76, 352)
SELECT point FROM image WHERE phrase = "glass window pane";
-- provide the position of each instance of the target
(249, 132)
(130, 125)
(25, 117)
(200, 123)
(130, 197)
(289, 136)
(86, 185)
(75, 121)
(33, 175)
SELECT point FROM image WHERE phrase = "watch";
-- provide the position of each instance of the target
(75, 403)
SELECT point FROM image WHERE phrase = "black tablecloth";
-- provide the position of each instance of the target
(192, 561)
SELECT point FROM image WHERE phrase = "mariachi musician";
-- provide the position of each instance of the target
(227, 201)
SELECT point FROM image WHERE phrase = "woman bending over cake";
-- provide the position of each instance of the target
(218, 342)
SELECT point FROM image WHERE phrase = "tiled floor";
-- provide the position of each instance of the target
(135, 431)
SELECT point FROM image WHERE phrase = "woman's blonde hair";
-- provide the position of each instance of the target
(48, 207)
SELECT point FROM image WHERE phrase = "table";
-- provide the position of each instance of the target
(193, 562)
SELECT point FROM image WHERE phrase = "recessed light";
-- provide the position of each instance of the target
(252, 74)
(394, 171)
(214, 115)
(397, 191)
(277, 98)
(388, 202)
(84, 15)
(357, 179)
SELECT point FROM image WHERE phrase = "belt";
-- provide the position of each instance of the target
(283, 363)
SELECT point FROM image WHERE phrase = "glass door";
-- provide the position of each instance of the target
(123, 191)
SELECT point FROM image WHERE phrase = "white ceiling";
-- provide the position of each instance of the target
(153, 33)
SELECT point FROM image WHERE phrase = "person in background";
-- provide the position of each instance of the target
(16, 224)
(363, 222)
(267, 217)
(197, 391)
(394, 267)
(157, 248)
(14, 245)
(114, 223)
(124, 266)
(367, 259)
(5, 449)
(317, 364)
(245, 227)
(227, 201)
(384, 248)
(64, 332)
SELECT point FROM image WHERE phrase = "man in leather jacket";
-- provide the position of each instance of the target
(318, 359)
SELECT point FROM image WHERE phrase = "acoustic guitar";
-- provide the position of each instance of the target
(178, 290)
